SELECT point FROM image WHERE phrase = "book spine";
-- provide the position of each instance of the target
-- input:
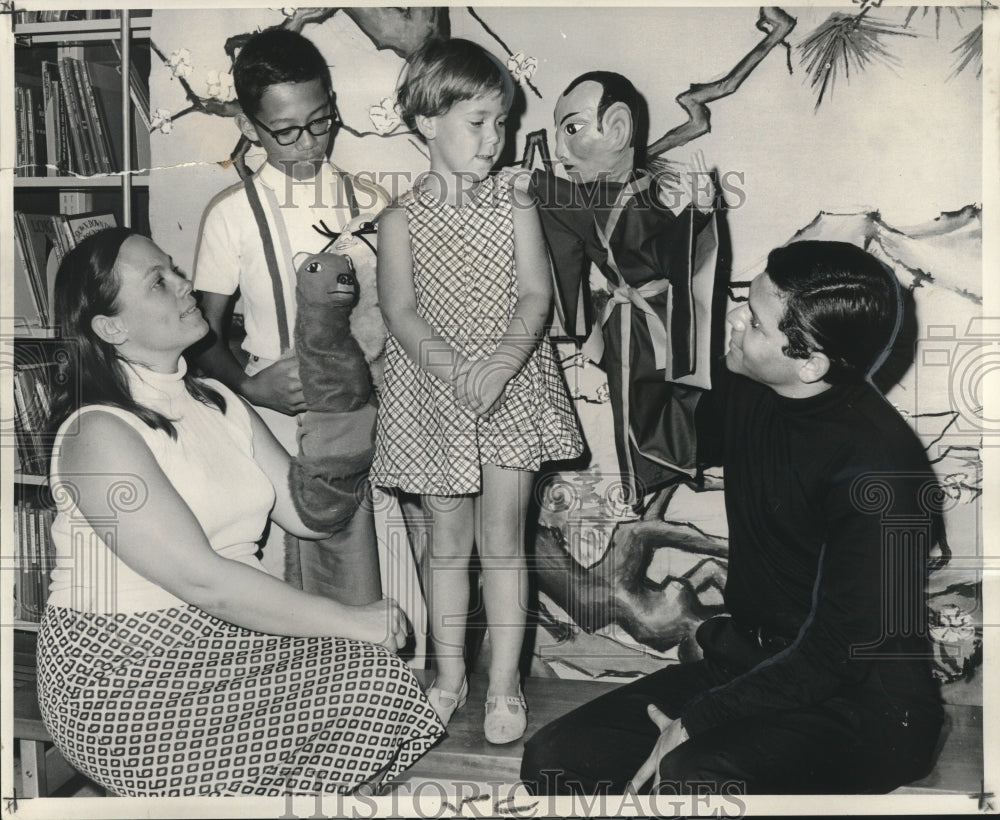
(68, 163)
(83, 109)
(138, 90)
(64, 233)
(19, 135)
(22, 549)
(28, 112)
(50, 103)
(25, 310)
(102, 145)
(73, 115)
(20, 434)
(48, 553)
(31, 569)
(25, 403)
(34, 273)
(39, 130)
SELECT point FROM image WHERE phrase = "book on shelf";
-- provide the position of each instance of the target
(31, 147)
(68, 113)
(35, 239)
(31, 418)
(138, 89)
(43, 240)
(64, 16)
(25, 301)
(74, 114)
(35, 559)
(58, 159)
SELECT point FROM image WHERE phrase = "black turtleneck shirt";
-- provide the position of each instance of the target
(828, 500)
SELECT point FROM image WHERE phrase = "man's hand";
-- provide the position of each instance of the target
(278, 387)
(672, 735)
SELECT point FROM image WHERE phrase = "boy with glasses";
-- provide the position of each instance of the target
(250, 235)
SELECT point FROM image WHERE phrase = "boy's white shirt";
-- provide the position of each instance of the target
(230, 227)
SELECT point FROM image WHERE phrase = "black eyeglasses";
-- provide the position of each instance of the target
(289, 136)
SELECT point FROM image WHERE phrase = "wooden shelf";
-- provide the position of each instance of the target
(140, 179)
(28, 332)
(81, 31)
(30, 478)
(26, 626)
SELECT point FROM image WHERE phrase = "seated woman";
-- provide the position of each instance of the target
(169, 662)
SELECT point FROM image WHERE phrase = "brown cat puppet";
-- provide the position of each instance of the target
(328, 478)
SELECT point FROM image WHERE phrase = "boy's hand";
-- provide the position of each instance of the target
(278, 387)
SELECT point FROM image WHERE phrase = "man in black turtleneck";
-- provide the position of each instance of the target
(817, 680)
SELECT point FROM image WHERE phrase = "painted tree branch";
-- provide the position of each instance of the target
(204, 105)
(777, 25)
(403, 30)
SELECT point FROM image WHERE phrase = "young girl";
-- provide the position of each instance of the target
(473, 399)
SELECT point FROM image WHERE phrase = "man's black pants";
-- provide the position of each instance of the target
(865, 743)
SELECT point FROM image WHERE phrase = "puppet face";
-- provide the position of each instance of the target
(587, 148)
(756, 347)
(327, 279)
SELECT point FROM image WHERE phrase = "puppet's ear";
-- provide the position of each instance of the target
(298, 258)
(617, 125)
(247, 128)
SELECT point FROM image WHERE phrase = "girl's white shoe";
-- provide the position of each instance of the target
(446, 703)
(506, 717)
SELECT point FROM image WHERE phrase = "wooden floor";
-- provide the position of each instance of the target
(959, 766)
(464, 756)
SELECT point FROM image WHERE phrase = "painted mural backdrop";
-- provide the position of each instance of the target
(833, 124)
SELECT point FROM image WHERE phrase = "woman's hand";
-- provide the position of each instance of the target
(381, 622)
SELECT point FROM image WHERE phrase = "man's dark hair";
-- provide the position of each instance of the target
(616, 88)
(839, 299)
(274, 56)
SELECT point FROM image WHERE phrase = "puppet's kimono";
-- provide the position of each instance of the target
(654, 334)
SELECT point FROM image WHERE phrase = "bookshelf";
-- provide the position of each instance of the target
(81, 100)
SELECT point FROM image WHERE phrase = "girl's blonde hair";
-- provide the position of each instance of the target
(444, 72)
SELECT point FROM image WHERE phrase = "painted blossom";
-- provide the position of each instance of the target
(384, 115)
(161, 121)
(180, 62)
(220, 85)
(521, 66)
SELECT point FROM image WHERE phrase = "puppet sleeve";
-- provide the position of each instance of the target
(566, 223)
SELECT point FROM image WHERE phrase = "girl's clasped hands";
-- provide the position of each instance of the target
(478, 385)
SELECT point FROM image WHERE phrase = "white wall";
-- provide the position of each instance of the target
(903, 140)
